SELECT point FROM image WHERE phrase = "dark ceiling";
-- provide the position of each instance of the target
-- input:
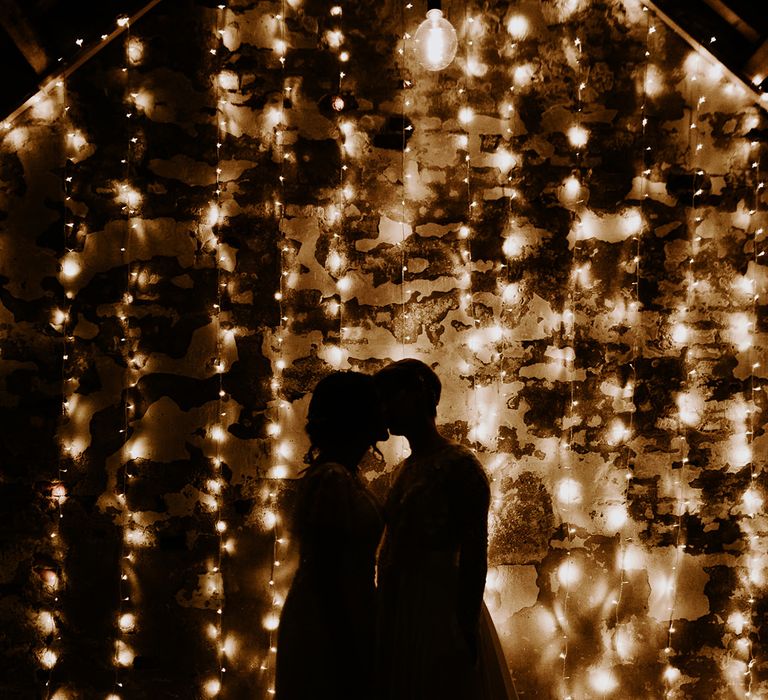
(39, 37)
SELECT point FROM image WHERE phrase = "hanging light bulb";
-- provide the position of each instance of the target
(435, 39)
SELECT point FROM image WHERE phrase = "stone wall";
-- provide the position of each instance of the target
(207, 217)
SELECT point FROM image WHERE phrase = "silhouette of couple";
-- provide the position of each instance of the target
(423, 632)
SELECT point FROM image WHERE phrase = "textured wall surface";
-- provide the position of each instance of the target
(227, 203)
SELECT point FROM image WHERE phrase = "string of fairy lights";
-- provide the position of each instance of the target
(338, 258)
(131, 535)
(54, 579)
(281, 447)
(681, 334)
(742, 621)
(569, 489)
(618, 517)
(407, 85)
(466, 115)
(216, 485)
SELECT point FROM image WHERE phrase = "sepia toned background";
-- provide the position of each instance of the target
(226, 203)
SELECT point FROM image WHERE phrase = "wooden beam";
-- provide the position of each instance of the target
(760, 98)
(734, 20)
(23, 34)
(757, 65)
(52, 79)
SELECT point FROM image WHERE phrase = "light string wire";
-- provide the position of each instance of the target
(568, 486)
(338, 251)
(49, 620)
(509, 295)
(467, 296)
(752, 501)
(635, 309)
(281, 448)
(216, 485)
(130, 535)
(407, 85)
(683, 335)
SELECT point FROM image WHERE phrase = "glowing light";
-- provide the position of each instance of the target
(466, 115)
(46, 623)
(602, 680)
(572, 188)
(130, 196)
(76, 140)
(753, 501)
(212, 687)
(568, 573)
(285, 450)
(125, 654)
(48, 658)
(228, 80)
(134, 51)
(691, 407)
(270, 519)
(50, 579)
(217, 433)
(671, 674)
(127, 622)
(569, 491)
(44, 108)
(737, 622)
(213, 215)
(578, 136)
(335, 356)
(740, 452)
(680, 333)
(513, 246)
(631, 222)
(616, 517)
(617, 432)
(632, 559)
(334, 38)
(523, 75)
(504, 160)
(334, 262)
(518, 26)
(435, 41)
(511, 293)
(271, 622)
(654, 81)
(344, 284)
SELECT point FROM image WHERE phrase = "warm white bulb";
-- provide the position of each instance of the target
(127, 622)
(435, 41)
(518, 26)
(578, 136)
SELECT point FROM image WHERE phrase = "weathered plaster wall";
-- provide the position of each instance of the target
(153, 387)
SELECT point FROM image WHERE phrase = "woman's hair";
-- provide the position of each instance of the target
(344, 406)
(411, 374)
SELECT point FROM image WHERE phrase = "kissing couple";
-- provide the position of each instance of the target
(387, 603)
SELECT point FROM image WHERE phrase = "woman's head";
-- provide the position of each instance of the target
(410, 392)
(345, 413)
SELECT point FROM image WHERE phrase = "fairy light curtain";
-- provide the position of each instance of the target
(230, 200)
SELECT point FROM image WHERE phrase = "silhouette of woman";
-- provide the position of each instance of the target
(433, 560)
(326, 639)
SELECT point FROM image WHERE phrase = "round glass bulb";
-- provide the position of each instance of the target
(435, 41)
